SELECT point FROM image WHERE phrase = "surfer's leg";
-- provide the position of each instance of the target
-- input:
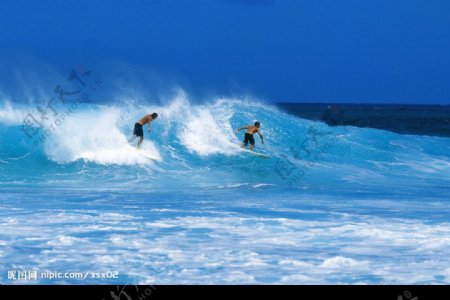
(140, 133)
(141, 138)
(135, 133)
(252, 142)
(245, 142)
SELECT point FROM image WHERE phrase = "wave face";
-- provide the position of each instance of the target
(332, 205)
(195, 145)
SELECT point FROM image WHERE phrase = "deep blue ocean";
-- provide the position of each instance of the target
(341, 200)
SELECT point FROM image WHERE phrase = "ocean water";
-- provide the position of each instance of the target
(335, 203)
(415, 119)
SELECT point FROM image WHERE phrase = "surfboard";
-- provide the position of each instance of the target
(257, 154)
(140, 151)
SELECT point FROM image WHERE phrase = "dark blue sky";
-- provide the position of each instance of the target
(280, 50)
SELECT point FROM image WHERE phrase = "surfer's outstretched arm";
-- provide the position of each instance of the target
(262, 138)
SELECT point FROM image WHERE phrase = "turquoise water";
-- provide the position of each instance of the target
(332, 205)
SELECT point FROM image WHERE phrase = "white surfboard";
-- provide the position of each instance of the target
(257, 154)
(141, 152)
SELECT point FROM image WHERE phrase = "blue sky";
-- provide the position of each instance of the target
(385, 51)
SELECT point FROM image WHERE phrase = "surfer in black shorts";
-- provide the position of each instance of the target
(138, 131)
(251, 130)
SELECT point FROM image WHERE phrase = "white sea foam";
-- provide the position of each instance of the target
(94, 136)
(13, 114)
(203, 135)
(201, 129)
(231, 248)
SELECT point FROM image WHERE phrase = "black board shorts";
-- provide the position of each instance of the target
(138, 130)
(249, 138)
